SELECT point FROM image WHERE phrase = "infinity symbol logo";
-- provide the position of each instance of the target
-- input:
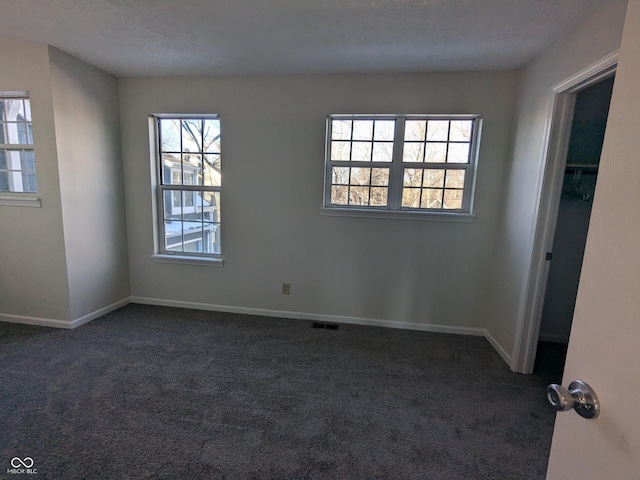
(27, 462)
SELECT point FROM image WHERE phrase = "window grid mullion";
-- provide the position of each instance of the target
(396, 172)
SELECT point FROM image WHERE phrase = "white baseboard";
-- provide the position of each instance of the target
(68, 324)
(498, 348)
(42, 322)
(373, 322)
(98, 313)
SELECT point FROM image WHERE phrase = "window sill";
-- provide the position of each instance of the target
(20, 200)
(187, 260)
(399, 215)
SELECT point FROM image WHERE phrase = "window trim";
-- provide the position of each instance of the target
(13, 198)
(394, 209)
(160, 254)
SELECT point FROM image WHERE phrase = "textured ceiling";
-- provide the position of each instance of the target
(188, 37)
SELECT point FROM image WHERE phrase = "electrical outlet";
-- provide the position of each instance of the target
(286, 288)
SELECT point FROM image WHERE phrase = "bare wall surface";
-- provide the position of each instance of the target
(33, 277)
(598, 36)
(273, 129)
(91, 180)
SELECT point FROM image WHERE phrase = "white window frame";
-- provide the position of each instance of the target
(161, 254)
(394, 208)
(12, 197)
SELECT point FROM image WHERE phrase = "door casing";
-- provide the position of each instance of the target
(555, 148)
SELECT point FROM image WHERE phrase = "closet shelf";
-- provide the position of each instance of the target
(582, 166)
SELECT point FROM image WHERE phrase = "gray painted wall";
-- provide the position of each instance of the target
(411, 272)
(598, 36)
(33, 277)
(67, 259)
(91, 180)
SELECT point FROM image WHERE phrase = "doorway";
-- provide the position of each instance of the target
(578, 182)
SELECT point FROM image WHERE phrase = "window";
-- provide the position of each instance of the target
(17, 160)
(189, 185)
(416, 164)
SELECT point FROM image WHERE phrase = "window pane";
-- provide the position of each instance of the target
(363, 129)
(169, 135)
(411, 197)
(431, 198)
(3, 159)
(340, 195)
(212, 173)
(434, 178)
(173, 236)
(435, 153)
(382, 151)
(177, 202)
(340, 175)
(209, 206)
(460, 131)
(360, 176)
(380, 177)
(188, 201)
(452, 199)
(211, 136)
(455, 179)
(437, 130)
(16, 134)
(341, 129)
(378, 197)
(192, 167)
(384, 130)
(4, 182)
(29, 183)
(412, 177)
(174, 178)
(14, 110)
(189, 178)
(414, 130)
(172, 205)
(361, 152)
(340, 151)
(211, 238)
(192, 135)
(413, 152)
(27, 110)
(359, 196)
(458, 153)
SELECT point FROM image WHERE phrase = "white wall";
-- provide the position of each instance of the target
(67, 261)
(91, 179)
(33, 274)
(416, 272)
(596, 37)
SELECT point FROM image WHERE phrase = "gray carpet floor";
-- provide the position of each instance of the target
(164, 393)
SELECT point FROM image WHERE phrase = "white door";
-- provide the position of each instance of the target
(604, 348)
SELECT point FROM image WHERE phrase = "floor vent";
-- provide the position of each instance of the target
(326, 326)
